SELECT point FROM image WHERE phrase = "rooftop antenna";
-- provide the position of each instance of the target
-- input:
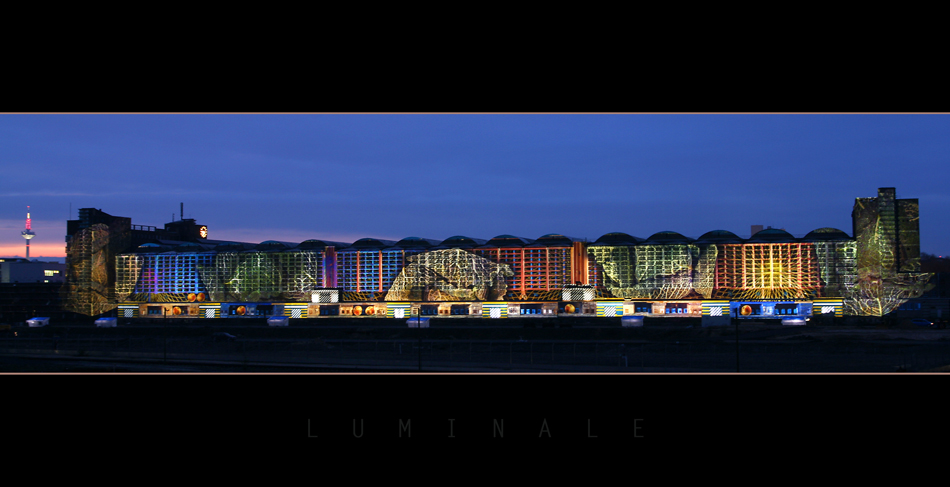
(28, 233)
(182, 214)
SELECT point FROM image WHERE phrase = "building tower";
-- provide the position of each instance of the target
(887, 237)
(887, 230)
(28, 233)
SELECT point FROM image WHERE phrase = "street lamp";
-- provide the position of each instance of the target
(735, 320)
(419, 326)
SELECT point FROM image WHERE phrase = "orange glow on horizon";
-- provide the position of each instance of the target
(36, 250)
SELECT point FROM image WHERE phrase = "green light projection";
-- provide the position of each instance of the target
(450, 275)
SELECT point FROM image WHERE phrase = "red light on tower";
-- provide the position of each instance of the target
(28, 233)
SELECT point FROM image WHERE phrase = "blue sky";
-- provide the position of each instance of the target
(260, 177)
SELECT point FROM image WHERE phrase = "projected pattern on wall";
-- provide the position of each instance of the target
(450, 275)
(537, 268)
(873, 272)
(836, 253)
(90, 271)
(221, 276)
(653, 271)
(268, 276)
(611, 268)
(663, 271)
(128, 268)
(766, 271)
(888, 255)
(370, 271)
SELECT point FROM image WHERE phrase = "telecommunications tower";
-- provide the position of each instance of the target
(28, 233)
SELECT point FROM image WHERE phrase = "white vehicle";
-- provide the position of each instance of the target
(107, 322)
(418, 322)
(278, 321)
(37, 322)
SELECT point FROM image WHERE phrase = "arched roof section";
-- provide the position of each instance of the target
(508, 241)
(370, 243)
(274, 245)
(826, 233)
(719, 236)
(554, 240)
(617, 238)
(416, 243)
(770, 235)
(667, 237)
(461, 241)
(312, 244)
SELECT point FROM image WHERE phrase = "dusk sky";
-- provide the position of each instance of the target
(294, 177)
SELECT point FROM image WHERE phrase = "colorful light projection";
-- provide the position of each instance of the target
(450, 275)
(90, 267)
(767, 309)
(766, 271)
(539, 266)
(165, 273)
(888, 255)
(873, 273)
(267, 276)
(836, 253)
(611, 267)
(662, 272)
(654, 271)
(128, 271)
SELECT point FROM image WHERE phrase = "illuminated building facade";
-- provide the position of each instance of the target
(836, 255)
(94, 243)
(771, 273)
(610, 263)
(541, 267)
(887, 236)
(770, 265)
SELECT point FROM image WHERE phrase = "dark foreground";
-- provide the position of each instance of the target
(517, 345)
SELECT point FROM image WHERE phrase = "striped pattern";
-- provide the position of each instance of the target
(325, 296)
(129, 310)
(578, 294)
(609, 309)
(716, 308)
(822, 306)
(295, 310)
(210, 310)
(398, 310)
(495, 310)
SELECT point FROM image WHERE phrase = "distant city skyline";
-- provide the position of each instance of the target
(344, 177)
